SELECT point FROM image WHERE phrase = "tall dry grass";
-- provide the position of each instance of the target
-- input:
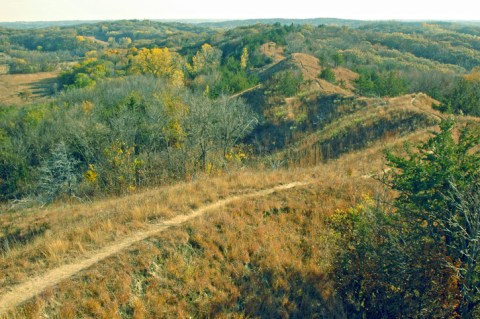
(262, 257)
(256, 256)
(67, 230)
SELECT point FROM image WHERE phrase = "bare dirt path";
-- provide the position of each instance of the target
(29, 289)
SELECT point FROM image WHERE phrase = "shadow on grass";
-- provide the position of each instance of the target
(45, 87)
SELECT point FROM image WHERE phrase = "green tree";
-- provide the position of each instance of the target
(372, 83)
(464, 98)
(417, 258)
(338, 59)
(328, 75)
(285, 83)
(438, 188)
(86, 73)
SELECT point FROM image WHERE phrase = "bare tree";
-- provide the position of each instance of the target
(464, 227)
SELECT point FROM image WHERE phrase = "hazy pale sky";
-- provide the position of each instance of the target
(51, 10)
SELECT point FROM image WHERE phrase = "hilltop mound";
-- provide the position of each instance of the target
(352, 124)
(307, 64)
(273, 51)
(310, 68)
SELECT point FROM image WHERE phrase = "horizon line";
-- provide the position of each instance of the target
(200, 20)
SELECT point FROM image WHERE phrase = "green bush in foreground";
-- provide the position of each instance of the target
(420, 257)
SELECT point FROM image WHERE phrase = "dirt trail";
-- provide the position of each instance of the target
(245, 91)
(29, 289)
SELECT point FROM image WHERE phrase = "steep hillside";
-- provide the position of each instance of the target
(310, 68)
(364, 121)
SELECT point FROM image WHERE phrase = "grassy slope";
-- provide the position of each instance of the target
(362, 122)
(39, 239)
(266, 255)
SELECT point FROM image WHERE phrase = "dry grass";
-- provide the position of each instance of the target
(347, 76)
(67, 230)
(268, 255)
(378, 119)
(307, 64)
(265, 256)
(11, 85)
(272, 50)
(93, 39)
(311, 69)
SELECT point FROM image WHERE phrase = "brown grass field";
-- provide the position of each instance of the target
(34, 86)
(202, 268)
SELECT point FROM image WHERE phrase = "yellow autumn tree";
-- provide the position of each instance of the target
(160, 62)
(176, 109)
(176, 78)
(244, 58)
(206, 59)
(157, 61)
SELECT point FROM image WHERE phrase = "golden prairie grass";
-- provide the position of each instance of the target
(73, 229)
(11, 85)
(208, 266)
(197, 270)
(267, 256)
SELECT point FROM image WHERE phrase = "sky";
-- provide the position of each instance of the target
(56, 10)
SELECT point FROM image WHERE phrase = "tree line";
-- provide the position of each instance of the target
(119, 135)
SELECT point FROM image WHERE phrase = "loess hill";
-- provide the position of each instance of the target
(199, 171)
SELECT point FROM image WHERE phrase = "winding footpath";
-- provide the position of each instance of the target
(32, 287)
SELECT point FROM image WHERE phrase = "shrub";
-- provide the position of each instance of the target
(58, 174)
(285, 83)
(420, 257)
(328, 75)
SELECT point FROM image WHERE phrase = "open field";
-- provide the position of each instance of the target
(19, 89)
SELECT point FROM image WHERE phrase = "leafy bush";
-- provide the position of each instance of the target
(86, 73)
(285, 83)
(419, 259)
(328, 75)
